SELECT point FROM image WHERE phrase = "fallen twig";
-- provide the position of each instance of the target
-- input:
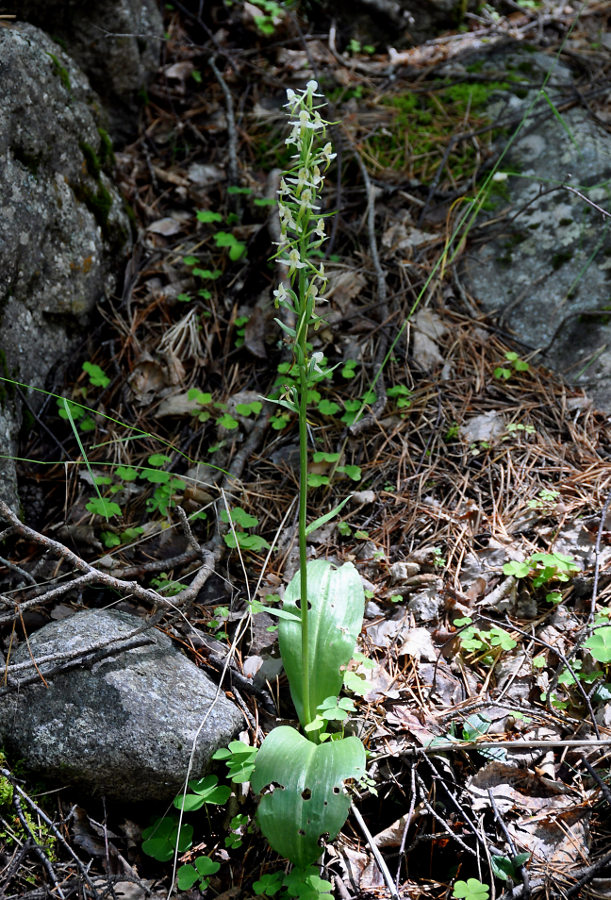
(444, 746)
(93, 575)
(510, 843)
(376, 853)
(232, 137)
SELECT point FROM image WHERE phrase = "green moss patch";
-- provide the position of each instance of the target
(60, 71)
(412, 130)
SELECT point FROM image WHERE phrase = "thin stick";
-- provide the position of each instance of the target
(81, 657)
(581, 196)
(512, 846)
(408, 821)
(444, 746)
(16, 568)
(37, 848)
(376, 853)
(599, 534)
(232, 138)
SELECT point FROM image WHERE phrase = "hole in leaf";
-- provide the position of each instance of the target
(298, 604)
(271, 787)
(336, 790)
(306, 794)
(301, 832)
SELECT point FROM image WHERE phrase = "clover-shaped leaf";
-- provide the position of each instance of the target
(205, 790)
(472, 889)
(599, 644)
(517, 569)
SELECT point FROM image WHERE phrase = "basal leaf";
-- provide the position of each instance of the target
(336, 602)
(304, 799)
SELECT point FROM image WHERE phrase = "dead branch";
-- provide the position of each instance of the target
(92, 575)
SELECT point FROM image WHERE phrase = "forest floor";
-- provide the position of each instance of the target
(478, 482)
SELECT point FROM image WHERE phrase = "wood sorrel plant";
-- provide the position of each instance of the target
(301, 778)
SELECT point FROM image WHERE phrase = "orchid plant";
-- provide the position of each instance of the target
(301, 776)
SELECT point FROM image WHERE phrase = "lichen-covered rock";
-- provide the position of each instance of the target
(115, 42)
(545, 269)
(63, 229)
(123, 726)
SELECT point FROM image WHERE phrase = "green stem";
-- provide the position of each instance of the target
(302, 336)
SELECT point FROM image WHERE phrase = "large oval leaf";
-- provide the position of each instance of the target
(336, 607)
(305, 799)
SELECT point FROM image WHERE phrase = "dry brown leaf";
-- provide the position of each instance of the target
(383, 634)
(176, 405)
(360, 869)
(175, 370)
(166, 226)
(429, 328)
(180, 72)
(344, 286)
(403, 237)
(299, 59)
(560, 840)
(251, 665)
(382, 684)
(131, 890)
(446, 686)
(425, 352)
(363, 498)
(205, 174)
(402, 570)
(393, 836)
(517, 789)
(146, 380)
(486, 427)
(418, 644)
(401, 717)
(255, 332)
(429, 323)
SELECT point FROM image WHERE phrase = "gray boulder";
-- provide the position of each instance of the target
(545, 269)
(116, 43)
(63, 228)
(123, 726)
